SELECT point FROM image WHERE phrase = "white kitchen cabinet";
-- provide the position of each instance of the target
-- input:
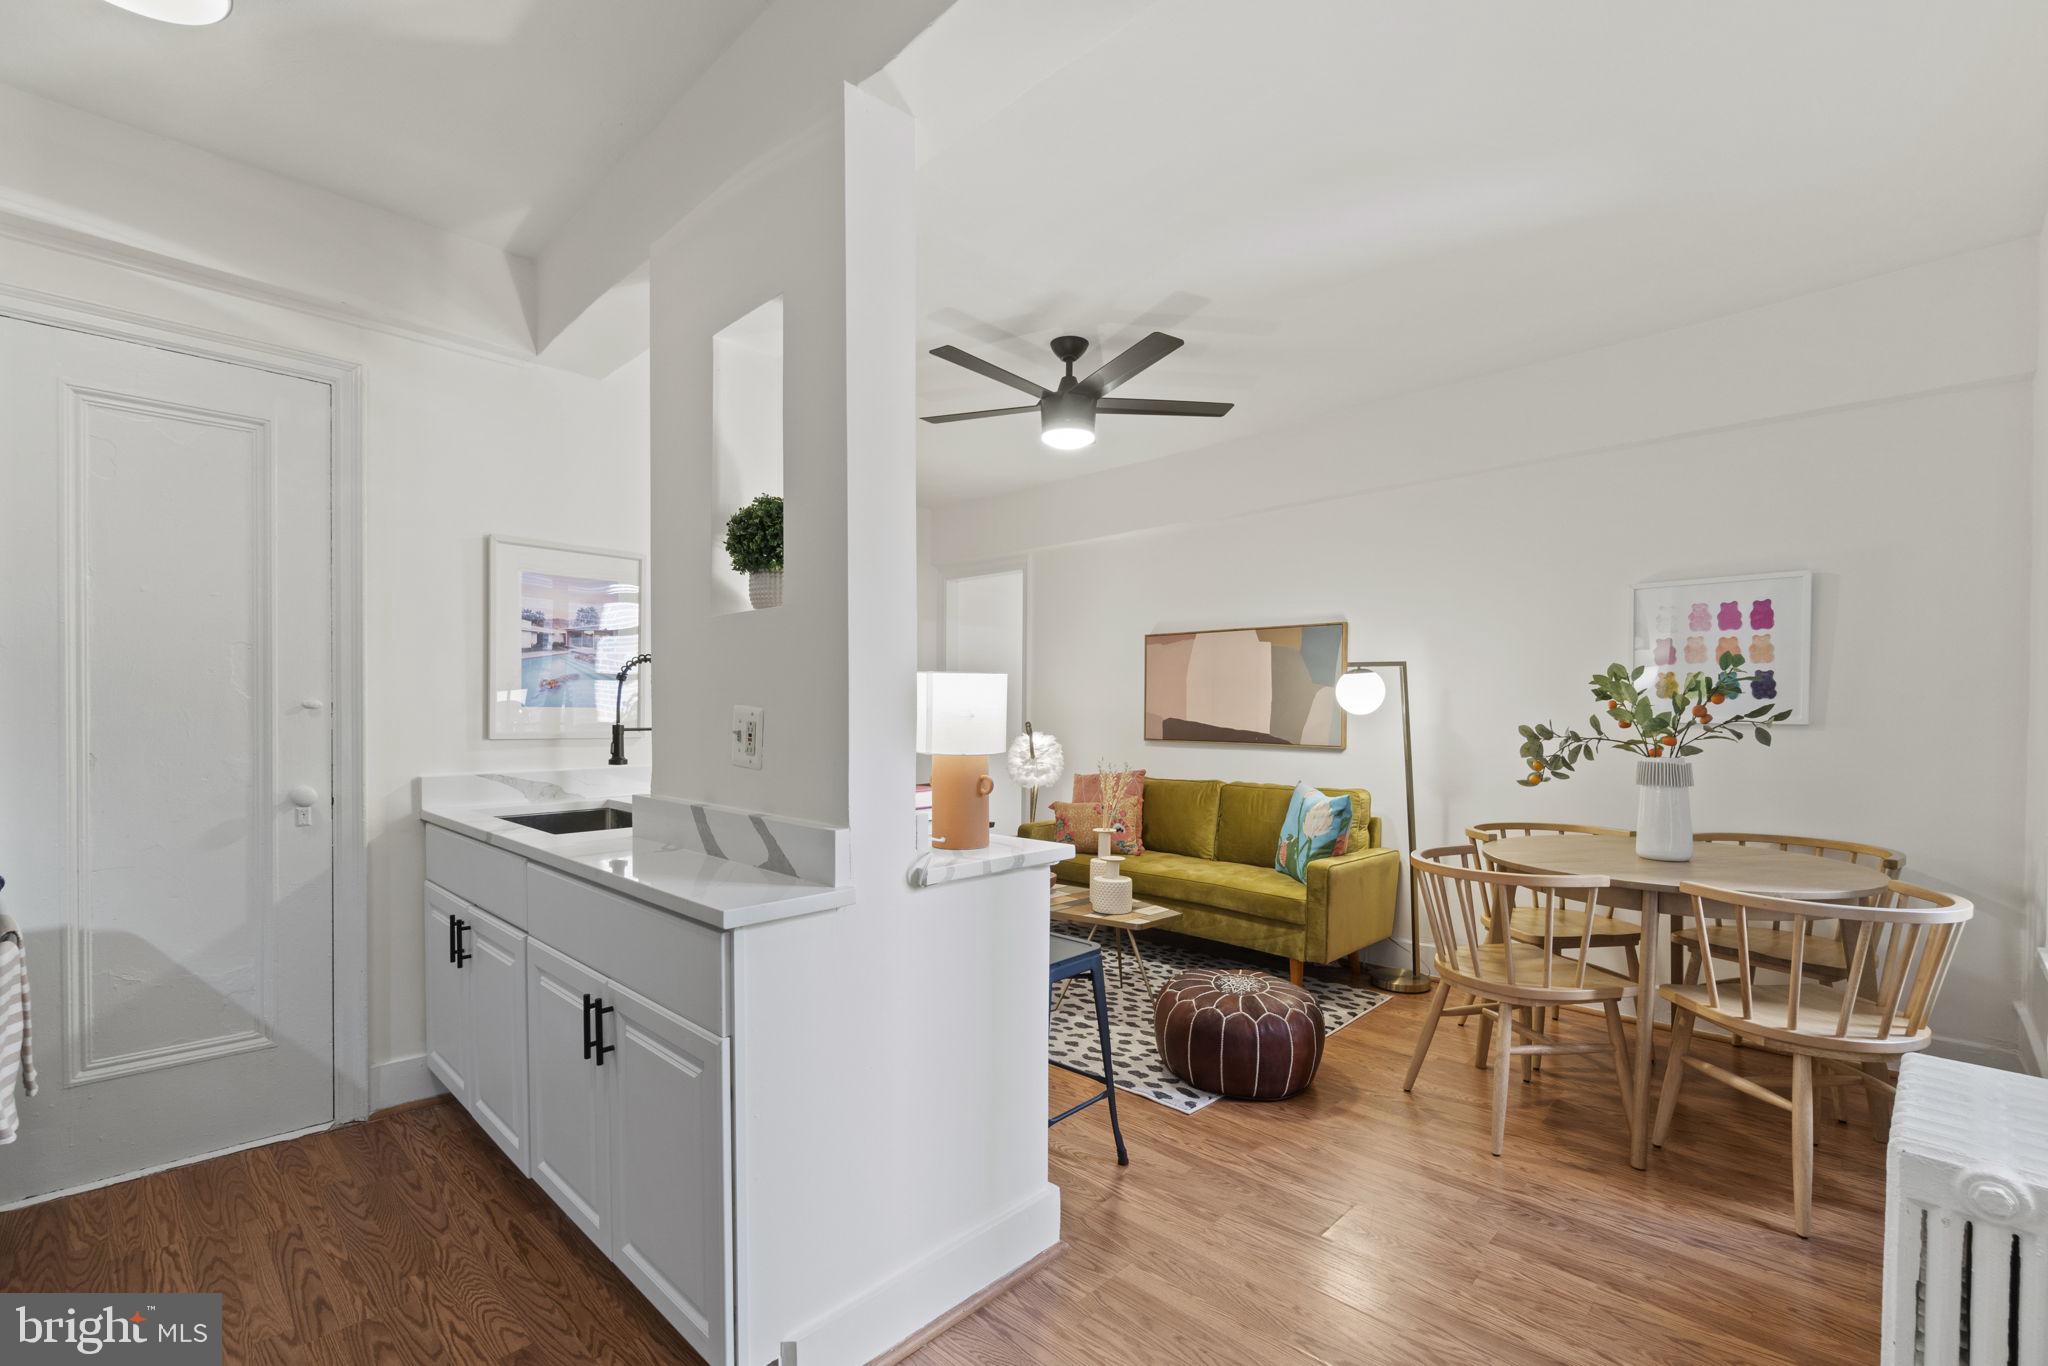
(672, 1166)
(631, 1136)
(476, 1015)
(494, 971)
(570, 1131)
(448, 1035)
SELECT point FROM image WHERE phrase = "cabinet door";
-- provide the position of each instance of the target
(672, 1168)
(495, 976)
(448, 1044)
(568, 1129)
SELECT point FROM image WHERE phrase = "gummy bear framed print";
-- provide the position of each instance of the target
(1686, 626)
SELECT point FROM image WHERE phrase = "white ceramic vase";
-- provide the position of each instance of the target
(764, 589)
(1664, 809)
(1110, 895)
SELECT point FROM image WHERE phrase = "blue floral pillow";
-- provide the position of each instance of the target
(1317, 826)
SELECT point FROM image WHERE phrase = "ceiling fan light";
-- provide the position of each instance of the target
(1067, 422)
(190, 13)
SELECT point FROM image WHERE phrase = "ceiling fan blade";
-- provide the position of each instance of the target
(1163, 407)
(982, 367)
(1145, 352)
(985, 412)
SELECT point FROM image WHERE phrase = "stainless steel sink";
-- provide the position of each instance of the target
(575, 822)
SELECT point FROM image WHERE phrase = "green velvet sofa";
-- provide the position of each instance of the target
(1209, 850)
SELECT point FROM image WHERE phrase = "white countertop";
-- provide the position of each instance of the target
(1004, 853)
(720, 893)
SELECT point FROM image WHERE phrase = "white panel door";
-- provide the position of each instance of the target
(449, 1041)
(568, 1126)
(494, 975)
(672, 1167)
(165, 774)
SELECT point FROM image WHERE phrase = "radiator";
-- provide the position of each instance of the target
(1966, 1217)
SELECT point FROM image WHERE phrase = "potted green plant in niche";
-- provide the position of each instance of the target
(753, 539)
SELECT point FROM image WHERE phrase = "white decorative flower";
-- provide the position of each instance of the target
(1035, 771)
(1316, 819)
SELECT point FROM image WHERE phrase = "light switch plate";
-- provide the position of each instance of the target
(746, 737)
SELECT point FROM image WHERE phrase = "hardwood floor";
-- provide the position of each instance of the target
(404, 1240)
(1353, 1224)
(1349, 1225)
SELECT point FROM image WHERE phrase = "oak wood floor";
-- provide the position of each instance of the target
(1350, 1225)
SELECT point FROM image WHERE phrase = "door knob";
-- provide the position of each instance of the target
(313, 704)
(302, 795)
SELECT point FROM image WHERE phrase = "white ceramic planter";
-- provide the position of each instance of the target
(1664, 810)
(765, 589)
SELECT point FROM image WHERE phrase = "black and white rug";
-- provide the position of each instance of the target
(1138, 1067)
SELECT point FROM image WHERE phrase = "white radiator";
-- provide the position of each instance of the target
(1966, 1217)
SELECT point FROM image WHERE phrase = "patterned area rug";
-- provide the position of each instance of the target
(1138, 1067)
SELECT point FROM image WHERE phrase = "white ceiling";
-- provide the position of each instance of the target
(1338, 200)
(487, 118)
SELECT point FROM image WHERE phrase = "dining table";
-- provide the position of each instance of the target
(1755, 869)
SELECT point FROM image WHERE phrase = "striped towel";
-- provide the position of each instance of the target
(16, 1063)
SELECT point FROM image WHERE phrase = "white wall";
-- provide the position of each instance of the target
(2033, 1006)
(1489, 533)
(455, 447)
(865, 1208)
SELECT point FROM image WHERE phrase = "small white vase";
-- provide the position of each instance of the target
(1110, 895)
(764, 589)
(1664, 810)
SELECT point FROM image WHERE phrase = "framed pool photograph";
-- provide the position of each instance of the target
(562, 621)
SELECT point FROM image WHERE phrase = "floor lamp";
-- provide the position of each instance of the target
(1361, 692)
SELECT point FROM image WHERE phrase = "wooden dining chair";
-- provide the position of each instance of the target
(1524, 925)
(1901, 947)
(1508, 980)
(1827, 955)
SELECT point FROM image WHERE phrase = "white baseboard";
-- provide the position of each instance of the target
(879, 1318)
(2002, 1056)
(2033, 1049)
(399, 1080)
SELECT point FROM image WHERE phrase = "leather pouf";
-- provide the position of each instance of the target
(1238, 1033)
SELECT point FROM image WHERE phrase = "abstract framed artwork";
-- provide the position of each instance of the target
(1253, 685)
(1687, 625)
(562, 621)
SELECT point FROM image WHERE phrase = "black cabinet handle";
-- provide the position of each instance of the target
(462, 955)
(602, 1047)
(588, 1042)
(452, 922)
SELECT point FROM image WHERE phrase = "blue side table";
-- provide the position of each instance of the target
(1070, 958)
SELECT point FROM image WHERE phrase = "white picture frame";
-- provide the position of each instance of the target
(1773, 628)
(561, 620)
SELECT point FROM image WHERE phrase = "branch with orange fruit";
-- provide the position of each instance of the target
(1642, 724)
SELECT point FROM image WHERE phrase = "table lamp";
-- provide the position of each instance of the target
(960, 722)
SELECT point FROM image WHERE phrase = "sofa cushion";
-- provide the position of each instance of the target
(1250, 816)
(1261, 892)
(1180, 817)
(1318, 825)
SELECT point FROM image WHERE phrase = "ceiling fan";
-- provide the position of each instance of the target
(1067, 414)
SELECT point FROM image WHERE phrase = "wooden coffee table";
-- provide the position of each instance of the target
(1070, 906)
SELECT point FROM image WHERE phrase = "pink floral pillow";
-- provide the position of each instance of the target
(1130, 819)
(1074, 823)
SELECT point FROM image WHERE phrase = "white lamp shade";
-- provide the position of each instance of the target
(962, 713)
(1361, 691)
(187, 12)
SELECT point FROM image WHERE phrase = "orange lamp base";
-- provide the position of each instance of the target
(960, 788)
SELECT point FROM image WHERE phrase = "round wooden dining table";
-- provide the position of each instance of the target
(1745, 868)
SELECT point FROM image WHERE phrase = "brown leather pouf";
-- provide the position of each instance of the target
(1239, 1033)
